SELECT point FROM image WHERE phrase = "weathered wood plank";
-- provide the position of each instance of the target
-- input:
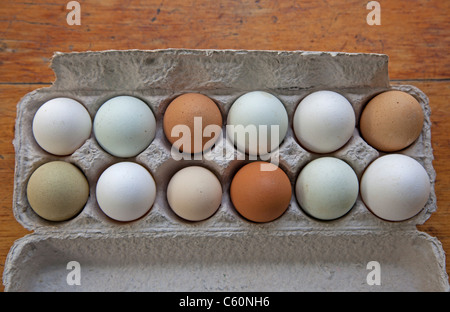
(415, 34)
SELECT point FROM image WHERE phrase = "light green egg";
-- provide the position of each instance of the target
(327, 188)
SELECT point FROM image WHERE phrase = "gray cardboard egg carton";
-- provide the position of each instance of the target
(161, 251)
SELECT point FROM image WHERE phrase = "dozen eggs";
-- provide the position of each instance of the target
(394, 187)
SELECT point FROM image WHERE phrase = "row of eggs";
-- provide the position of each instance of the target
(323, 122)
(395, 187)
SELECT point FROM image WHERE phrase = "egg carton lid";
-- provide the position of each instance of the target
(181, 69)
(315, 261)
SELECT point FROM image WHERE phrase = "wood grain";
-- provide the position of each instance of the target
(10, 229)
(415, 35)
(438, 224)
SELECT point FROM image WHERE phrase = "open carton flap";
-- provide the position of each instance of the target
(316, 261)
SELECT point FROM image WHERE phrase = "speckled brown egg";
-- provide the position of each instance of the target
(197, 112)
(391, 121)
(260, 191)
(57, 191)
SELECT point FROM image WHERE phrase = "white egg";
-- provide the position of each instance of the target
(61, 126)
(194, 193)
(125, 191)
(327, 188)
(395, 187)
(324, 121)
(257, 123)
(124, 126)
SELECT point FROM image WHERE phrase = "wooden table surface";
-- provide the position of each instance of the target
(414, 34)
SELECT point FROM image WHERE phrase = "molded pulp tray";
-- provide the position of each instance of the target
(161, 252)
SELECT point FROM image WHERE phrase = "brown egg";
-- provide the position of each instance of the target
(258, 195)
(391, 121)
(181, 111)
(57, 191)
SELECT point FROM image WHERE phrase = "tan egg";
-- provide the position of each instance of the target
(261, 193)
(194, 193)
(391, 121)
(57, 191)
(183, 110)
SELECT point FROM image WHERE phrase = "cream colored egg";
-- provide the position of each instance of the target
(194, 193)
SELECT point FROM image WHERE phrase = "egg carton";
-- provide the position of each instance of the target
(162, 251)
